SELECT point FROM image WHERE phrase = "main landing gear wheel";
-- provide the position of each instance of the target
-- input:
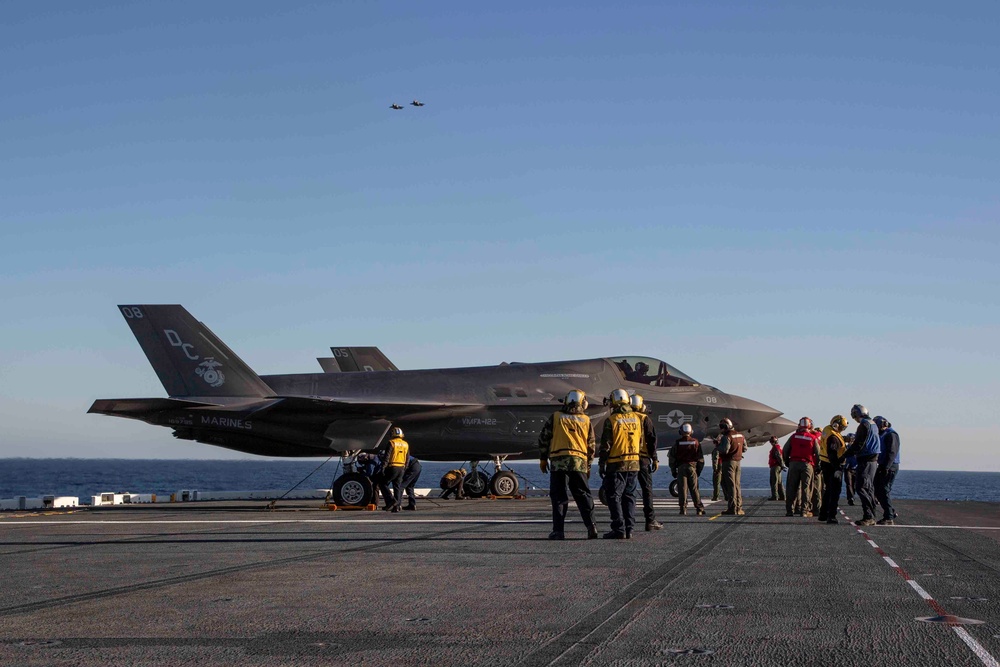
(477, 484)
(504, 483)
(675, 490)
(352, 488)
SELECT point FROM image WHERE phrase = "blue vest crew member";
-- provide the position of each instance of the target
(566, 445)
(411, 473)
(394, 457)
(619, 464)
(866, 448)
(888, 466)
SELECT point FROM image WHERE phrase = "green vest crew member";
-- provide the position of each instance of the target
(394, 455)
(566, 451)
(619, 459)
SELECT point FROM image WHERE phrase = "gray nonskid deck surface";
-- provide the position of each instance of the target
(477, 583)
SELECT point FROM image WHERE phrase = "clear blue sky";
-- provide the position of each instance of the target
(794, 202)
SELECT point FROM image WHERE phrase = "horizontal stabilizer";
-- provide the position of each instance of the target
(140, 407)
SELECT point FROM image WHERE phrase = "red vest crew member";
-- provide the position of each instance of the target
(777, 465)
(801, 453)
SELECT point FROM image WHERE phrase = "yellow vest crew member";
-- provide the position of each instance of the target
(832, 451)
(619, 464)
(566, 450)
(394, 457)
(453, 482)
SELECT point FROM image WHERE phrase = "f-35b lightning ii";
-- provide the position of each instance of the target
(486, 413)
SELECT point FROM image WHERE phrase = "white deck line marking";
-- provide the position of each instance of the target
(976, 647)
(874, 546)
(919, 589)
(891, 562)
(264, 521)
(947, 527)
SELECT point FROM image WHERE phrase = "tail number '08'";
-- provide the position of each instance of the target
(132, 312)
(711, 399)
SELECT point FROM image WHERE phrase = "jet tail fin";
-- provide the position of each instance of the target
(356, 359)
(188, 358)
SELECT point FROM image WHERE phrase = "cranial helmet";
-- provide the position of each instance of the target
(686, 430)
(859, 412)
(726, 424)
(839, 422)
(397, 432)
(575, 398)
(619, 397)
(636, 402)
(882, 422)
(805, 422)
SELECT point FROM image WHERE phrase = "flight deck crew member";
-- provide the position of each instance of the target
(566, 445)
(777, 465)
(410, 476)
(716, 473)
(866, 448)
(732, 446)
(800, 451)
(394, 458)
(648, 462)
(850, 468)
(687, 462)
(830, 462)
(888, 466)
(453, 482)
(621, 440)
(816, 491)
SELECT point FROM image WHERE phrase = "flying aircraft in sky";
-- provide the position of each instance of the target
(485, 413)
(416, 103)
(395, 106)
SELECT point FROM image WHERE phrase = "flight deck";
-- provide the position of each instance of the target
(476, 582)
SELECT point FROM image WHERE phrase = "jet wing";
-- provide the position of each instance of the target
(364, 407)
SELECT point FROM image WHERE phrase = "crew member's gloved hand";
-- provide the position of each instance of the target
(673, 471)
(601, 471)
(654, 465)
(543, 465)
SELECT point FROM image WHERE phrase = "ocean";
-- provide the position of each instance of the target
(88, 477)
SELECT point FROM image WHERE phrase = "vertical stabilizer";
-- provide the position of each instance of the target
(188, 358)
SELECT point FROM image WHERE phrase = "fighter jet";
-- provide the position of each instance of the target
(416, 103)
(486, 413)
(356, 359)
(395, 106)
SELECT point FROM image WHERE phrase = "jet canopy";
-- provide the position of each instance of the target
(651, 372)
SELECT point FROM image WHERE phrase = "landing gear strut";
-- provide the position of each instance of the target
(476, 482)
(351, 488)
(503, 482)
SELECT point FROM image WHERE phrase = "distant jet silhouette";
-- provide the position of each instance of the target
(395, 106)
(416, 103)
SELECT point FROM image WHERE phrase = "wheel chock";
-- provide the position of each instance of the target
(516, 496)
(333, 507)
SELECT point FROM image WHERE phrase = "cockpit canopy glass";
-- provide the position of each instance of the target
(651, 372)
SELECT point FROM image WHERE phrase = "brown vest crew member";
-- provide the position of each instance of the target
(731, 447)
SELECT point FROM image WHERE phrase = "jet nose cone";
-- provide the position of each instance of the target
(748, 413)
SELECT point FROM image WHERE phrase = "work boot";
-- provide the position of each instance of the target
(832, 521)
(628, 534)
(714, 498)
(727, 513)
(614, 536)
(387, 508)
(789, 514)
(850, 502)
(740, 513)
(701, 511)
(781, 497)
(410, 508)
(554, 535)
(865, 522)
(395, 508)
(807, 515)
(683, 511)
(772, 498)
(885, 522)
(592, 533)
(653, 525)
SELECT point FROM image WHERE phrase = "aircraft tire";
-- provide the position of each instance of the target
(476, 484)
(352, 489)
(675, 488)
(504, 483)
